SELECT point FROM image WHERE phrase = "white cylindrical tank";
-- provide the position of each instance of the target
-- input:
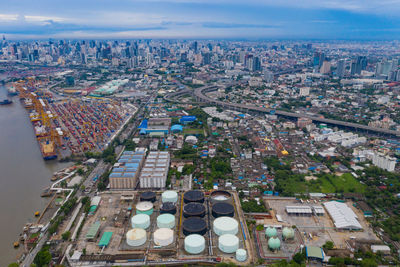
(144, 207)
(194, 244)
(163, 237)
(225, 225)
(140, 221)
(136, 237)
(241, 254)
(166, 220)
(169, 196)
(228, 243)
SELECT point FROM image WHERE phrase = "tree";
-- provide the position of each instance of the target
(43, 258)
(80, 171)
(328, 245)
(299, 257)
(65, 236)
(14, 264)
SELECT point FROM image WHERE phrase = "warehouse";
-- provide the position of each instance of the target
(319, 210)
(126, 170)
(155, 170)
(299, 210)
(342, 216)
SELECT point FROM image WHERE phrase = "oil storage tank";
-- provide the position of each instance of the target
(148, 196)
(241, 254)
(194, 244)
(194, 209)
(270, 232)
(193, 196)
(163, 237)
(136, 237)
(274, 243)
(194, 225)
(169, 196)
(288, 233)
(144, 207)
(140, 221)
(219, 196)
(222, 209)
(228, 243)
(225, 225)
(166, 220)
(168, 207)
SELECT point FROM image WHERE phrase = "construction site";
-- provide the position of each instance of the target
(66, 126)
(167, 227)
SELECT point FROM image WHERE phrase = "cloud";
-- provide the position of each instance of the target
(235, 25)
(8, 17)
(200, 18)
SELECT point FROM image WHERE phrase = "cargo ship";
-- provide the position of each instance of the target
(5, 101)
(12, 91)
(48, 149)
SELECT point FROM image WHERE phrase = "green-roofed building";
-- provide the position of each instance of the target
(93, 231)
(314, 253)
(105, 239)
(92, 209)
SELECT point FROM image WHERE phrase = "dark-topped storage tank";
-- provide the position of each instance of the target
(193, 196)
(222, 209)
(194, 209)
(148, 196)
(194, 225)
(168, 207)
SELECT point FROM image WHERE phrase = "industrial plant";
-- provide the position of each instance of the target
(164, 226)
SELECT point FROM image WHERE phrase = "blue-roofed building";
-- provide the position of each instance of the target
(125, 172)
(176, 128)
(143, 124)
(187, 119)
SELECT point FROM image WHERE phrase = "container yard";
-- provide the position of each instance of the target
(89, 125)
(71, 126)
(151, 226)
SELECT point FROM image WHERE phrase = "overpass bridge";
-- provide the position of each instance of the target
(199, 94)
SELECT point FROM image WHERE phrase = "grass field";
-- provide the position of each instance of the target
(324, 184)
(193, 131)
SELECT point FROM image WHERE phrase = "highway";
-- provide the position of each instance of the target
(200, 96)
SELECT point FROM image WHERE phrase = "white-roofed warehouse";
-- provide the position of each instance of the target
(342, 216)
(299, 210)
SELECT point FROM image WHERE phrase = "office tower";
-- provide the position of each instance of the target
(326, 67)
(341, 67)
(268, 76)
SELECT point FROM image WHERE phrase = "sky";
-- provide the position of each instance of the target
(213, 19)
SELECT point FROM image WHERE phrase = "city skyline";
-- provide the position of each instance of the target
(201, 19)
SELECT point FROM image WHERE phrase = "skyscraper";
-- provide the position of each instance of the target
(340, 70)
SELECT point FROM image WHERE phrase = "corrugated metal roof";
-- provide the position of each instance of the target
(93, 230)
(105, 239)
(298, 209)
(343, 216)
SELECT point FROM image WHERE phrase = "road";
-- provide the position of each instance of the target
(88, 183)
(199, 94)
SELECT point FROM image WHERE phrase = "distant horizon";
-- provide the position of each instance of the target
(201, 19)
(305, 40)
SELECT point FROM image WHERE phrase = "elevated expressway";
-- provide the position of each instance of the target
(199, 94)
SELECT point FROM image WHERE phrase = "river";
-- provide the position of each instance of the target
(23, 175)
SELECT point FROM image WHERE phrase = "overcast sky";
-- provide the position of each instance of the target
(292, 19)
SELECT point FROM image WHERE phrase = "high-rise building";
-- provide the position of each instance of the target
(326, 67)
(319, 58)
(268, 76)
(256, 64)
(358, 65)
(384, 162)
(341, 67)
